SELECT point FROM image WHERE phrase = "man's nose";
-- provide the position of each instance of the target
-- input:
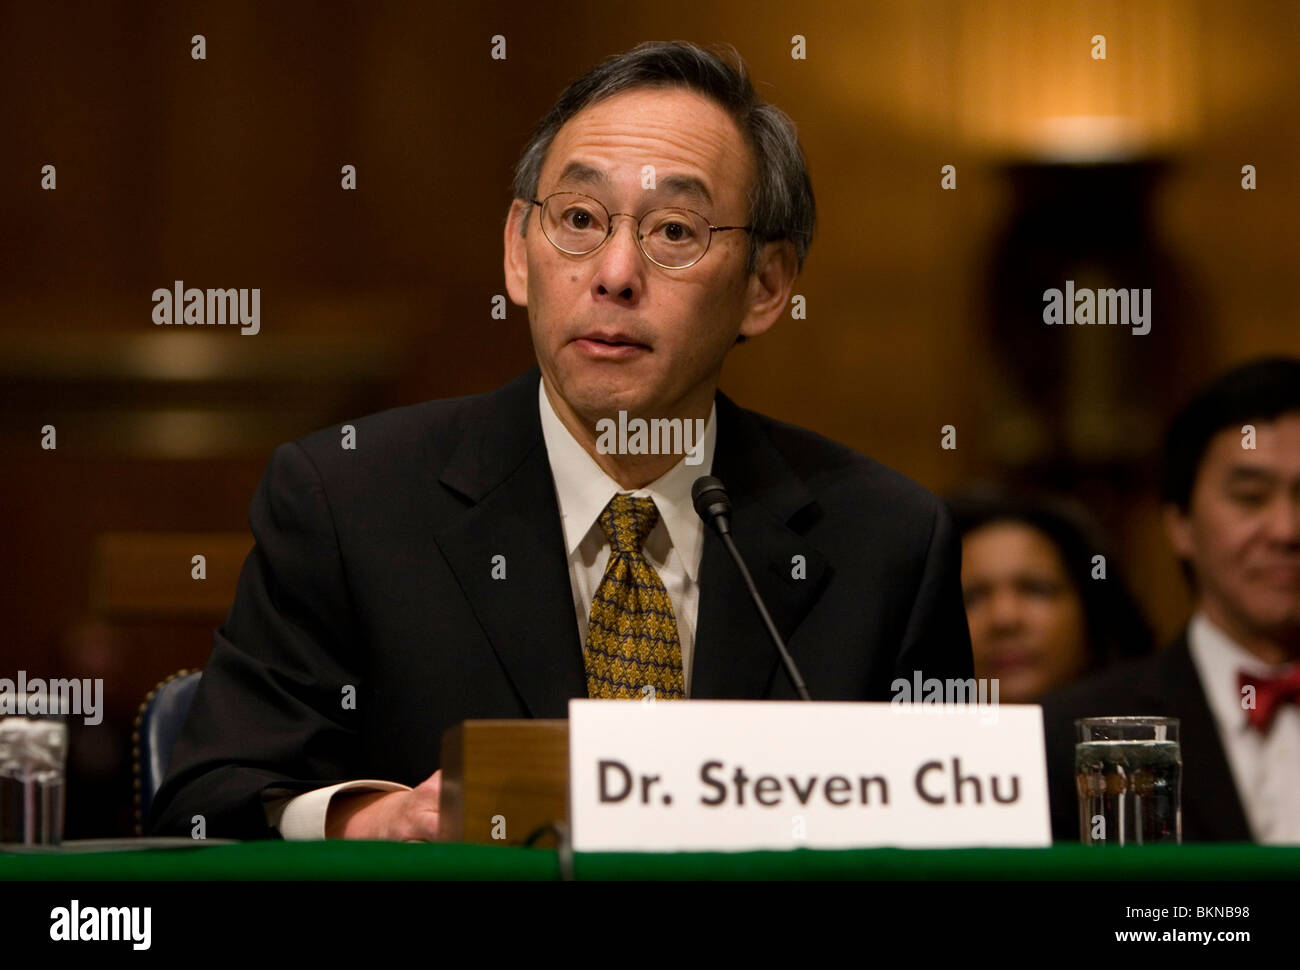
(620, 261)
(1284, 520)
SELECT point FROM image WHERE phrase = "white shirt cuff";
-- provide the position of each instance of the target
(302, 817)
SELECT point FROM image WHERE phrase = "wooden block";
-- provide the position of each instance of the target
(514, 770)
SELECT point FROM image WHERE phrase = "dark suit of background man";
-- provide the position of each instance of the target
(1233, 675)
(377, 569)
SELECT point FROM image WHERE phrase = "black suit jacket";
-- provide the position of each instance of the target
(372, 573)
(1165, 684)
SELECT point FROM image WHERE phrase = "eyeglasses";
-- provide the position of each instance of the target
(672, 238)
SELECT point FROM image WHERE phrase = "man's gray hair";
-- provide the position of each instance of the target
(781, 203)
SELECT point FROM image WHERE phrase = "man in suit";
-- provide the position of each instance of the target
(493, 556)
(1231, 486)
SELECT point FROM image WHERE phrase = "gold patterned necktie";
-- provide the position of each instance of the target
(632, 632)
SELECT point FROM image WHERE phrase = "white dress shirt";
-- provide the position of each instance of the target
(582, 489)
(1265, 767)
(673, 547)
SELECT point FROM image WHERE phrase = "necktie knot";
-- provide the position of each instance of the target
(1269, 693)
(626, 521)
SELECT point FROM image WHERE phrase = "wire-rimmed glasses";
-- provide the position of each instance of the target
(671, 237)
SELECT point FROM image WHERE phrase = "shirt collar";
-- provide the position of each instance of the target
(1218, 658)
(583, 489)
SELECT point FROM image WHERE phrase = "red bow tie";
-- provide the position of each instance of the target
(1270, 693)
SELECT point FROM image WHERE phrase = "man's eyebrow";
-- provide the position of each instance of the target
(1238, 473)
(582, 174)
(676, 185)
(687, 185)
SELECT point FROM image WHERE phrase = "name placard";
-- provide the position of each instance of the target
(746, 775)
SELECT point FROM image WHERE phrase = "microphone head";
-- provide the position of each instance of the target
(710, 498)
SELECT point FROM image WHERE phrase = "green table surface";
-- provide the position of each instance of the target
(391, 861)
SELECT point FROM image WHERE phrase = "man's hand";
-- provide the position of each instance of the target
(395, 816)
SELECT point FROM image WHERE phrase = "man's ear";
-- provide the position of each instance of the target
(516, 254)
(769, 287)
(1178, 529)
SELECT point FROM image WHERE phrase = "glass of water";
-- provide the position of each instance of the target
(33, 755)
(1129, 773)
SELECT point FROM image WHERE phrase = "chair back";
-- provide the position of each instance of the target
(158, 724)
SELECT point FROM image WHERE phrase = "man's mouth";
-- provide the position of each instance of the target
(610, 345)
(1279, 574)
(610, 336)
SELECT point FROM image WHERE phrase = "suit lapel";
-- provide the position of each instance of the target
(502, 468)
(1212, 809)
(734, 656)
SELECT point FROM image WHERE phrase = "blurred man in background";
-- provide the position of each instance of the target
(1231, 486)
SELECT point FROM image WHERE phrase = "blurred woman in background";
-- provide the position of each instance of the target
(1038, 620)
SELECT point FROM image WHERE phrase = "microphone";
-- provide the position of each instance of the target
(714, 507)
